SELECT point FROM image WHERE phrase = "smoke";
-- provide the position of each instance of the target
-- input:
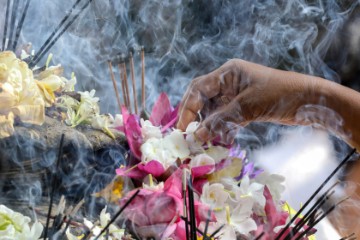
(185, 39)
(305, 157)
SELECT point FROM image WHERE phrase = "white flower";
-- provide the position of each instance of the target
(165, 150)
(114, 232)
(19, 93)
(176, 143)
(89, 97)
(118, 121)
(195, 145)
(252, 190)
(201, 160)
(6, 125)
(14, 225)
(67, 102)
(274, 182)
(149, 131)
(102, 122)
(218, 153)
(152, 149)
(238, 219)
(69, 85)
(214, 195)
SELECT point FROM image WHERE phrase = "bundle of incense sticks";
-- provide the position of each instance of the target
(132, 106)
(314, 215)
(62, 27)
(11, 32)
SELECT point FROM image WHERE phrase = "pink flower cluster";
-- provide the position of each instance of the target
(242, 201)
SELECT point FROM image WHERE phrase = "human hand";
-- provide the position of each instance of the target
(240, 92)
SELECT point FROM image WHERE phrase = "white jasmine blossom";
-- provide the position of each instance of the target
(118, 121)
(218, 153)
(214, 195)
(274, 182)
(14, 225)
(165, 150)
(252, 190)
(148, 130)
(237, 219)
(102, 122)
(195, 145)
(201, 160)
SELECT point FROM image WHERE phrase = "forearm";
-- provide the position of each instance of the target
(330, 105)
(345, 102)
(319, 101)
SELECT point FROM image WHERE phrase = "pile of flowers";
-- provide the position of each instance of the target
(231, 199)
(25, 95)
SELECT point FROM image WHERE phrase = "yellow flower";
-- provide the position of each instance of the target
(19, 93)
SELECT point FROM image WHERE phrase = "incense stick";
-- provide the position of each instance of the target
(122, 83)
(315, 193)
(192, 210)
(114, 85)
(39, 55)
(54, 185)
(201, 232)
(207, 224)
(20, 24)
(12, 22)
(187, 222)
(217, 230)
(260, 236)
(56, 29)
(309, 215)
(184, 177)
(320, 218)
(143, 79)
(118, 214)
(347, 237)
(323, 198)
(133, 82)
(126, 87)
(66, 227)
(6, 24)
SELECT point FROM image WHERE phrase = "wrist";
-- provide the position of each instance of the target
(337, 109)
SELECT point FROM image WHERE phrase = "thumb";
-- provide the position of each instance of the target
(223, 123)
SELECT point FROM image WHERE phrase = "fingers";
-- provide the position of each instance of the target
(200, 90)
(224, 123)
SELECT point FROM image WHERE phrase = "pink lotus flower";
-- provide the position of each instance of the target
(156, 212)
(163, 114)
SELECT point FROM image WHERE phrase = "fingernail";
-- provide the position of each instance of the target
(202, 134)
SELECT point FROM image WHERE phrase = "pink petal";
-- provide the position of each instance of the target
(133, 134)
(169, 231)
(161, 208)
(170, 118)
(202, 211)
(202, 170)
(173, 185)
(134, 173)
(169, 125)
(275, 217)
(162, 107)
(199, 183)
(153, 167)
(125, 113)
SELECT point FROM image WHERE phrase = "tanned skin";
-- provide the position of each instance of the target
(240, 92)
